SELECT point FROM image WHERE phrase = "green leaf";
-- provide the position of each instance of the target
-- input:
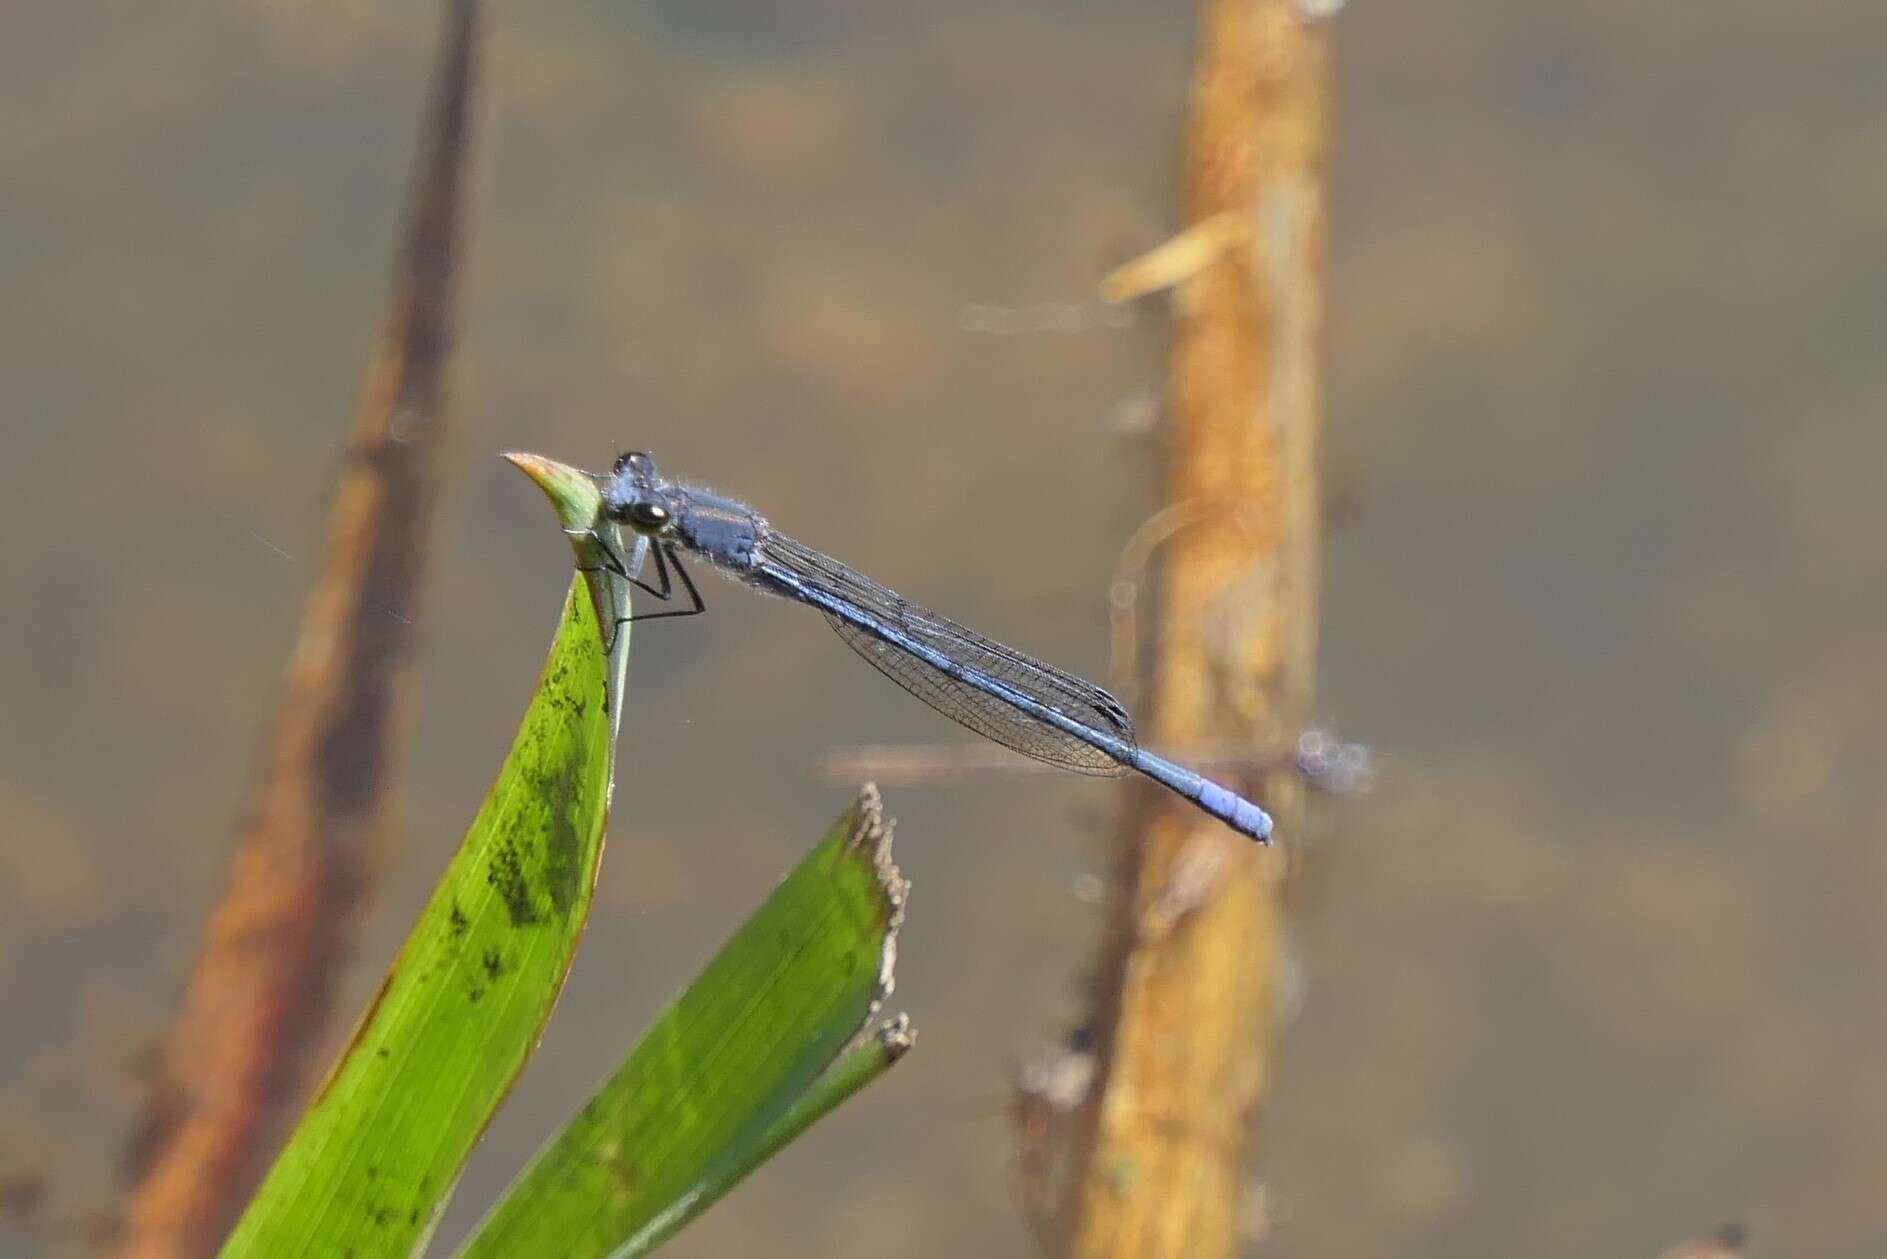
(862, 1062)
(773, 1034)
(377, 1152)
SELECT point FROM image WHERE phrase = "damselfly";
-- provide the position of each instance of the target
(994, 690)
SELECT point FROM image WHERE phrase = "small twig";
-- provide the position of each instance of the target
(1322, 760)
(1177, 259)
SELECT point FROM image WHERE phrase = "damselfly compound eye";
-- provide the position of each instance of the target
(646, 515)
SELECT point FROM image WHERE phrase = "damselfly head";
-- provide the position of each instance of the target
(639, 467)
(636, 497)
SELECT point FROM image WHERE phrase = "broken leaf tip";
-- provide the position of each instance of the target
(871, 834)
(896, 1036)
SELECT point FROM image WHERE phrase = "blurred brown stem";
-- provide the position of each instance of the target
(1183, 1010)
(1729, 1242)
(236, 1060)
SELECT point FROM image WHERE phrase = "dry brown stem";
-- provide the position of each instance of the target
(236, 1058)
(1186, 989)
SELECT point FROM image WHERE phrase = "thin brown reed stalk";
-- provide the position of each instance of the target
(236, 1059)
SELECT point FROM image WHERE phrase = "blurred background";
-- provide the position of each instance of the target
(1600, 963)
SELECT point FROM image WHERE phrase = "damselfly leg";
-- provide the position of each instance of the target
(665, 557)
(664, 589)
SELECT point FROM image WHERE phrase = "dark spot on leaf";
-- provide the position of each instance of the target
(494, 963)
(477, 993)
(459, 921)
(563, 856)
(621, 1169)
(506, 877)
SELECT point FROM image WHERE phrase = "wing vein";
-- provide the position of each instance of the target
(963, 703)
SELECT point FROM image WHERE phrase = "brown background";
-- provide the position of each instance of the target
(1601, 962)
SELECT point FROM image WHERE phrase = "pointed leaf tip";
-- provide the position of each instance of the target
(572, 491)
